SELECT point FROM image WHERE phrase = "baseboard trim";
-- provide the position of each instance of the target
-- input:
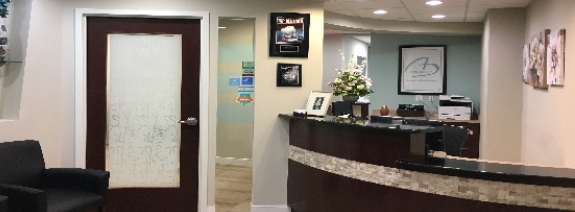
(270, 208)
(233, 161)
(211, 208)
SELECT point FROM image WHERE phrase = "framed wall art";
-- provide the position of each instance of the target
(538, 60)
(526, 64)
(318, 103)
(422, 70)
(289, 34)
(289, 75)
(556, 58)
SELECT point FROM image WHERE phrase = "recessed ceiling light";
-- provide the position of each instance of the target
(379, 12)
(439, 16)
(434, 2)
(221, 27)
(238, 19)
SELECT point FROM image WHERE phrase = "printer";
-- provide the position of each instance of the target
(454, 107)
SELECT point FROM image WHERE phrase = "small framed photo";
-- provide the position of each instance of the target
(289, 75)
(318, 103)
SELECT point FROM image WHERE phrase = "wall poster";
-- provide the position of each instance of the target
(289, 34)
(288, 75)
(556, 58)
(422, 70)
(538, 60)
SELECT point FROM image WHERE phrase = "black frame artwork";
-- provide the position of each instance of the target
(422, 70)
(288, 75)
(289, 34)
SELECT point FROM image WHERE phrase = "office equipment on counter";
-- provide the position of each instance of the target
(411, 110)
(454, 107)
(302, 113)
(339, 108)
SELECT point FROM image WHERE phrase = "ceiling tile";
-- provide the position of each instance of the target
(345, 12)
(330, 6)
(390, 2)
(436, 10)
(421, 3)
(500, 3)
(385, 5)
(475, 17)
(392, 14)
(450, 17)
(454, 9)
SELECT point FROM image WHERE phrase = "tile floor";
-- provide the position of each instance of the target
(233, 188)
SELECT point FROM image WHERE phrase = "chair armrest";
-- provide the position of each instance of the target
(3, 203)
(95, 181)
(24, 198)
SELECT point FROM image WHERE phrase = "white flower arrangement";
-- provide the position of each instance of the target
(351, 81)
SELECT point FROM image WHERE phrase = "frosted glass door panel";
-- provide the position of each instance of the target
(143, 137)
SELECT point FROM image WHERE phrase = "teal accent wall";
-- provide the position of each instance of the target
(463, 67)
(236, 113)
(235, 52)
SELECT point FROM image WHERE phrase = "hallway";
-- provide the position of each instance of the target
(233, 188)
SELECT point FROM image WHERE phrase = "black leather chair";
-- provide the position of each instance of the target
(30, 187)
(3, 203)
(454, 138)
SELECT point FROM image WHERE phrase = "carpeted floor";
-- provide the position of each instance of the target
(233, 188)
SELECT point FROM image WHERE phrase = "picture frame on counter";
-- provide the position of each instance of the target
(318, 103)
(422, 70)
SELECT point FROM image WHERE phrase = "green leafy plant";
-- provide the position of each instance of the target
(350, 81)
(350, 120)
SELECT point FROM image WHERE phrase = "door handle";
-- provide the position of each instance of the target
(190, 121)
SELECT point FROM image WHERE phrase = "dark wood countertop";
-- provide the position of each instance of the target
(533, 175)
(382, 126)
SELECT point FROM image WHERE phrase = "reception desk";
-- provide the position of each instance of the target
(344, 167)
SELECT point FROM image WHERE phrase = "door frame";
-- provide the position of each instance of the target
(80, 43)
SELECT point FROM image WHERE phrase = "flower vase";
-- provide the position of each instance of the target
(350, 98)
(384, 111)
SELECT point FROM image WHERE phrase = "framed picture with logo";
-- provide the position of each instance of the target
(422, 70)
(289, 34)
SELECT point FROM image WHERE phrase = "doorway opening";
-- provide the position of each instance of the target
(235, 114)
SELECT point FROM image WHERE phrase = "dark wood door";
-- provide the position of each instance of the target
(183, 197)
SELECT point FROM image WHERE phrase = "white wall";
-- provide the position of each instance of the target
(501, 87)
(41, 115)
(11, 73)
(334, 46)
(47, 108)
(270, 156)
(548, 114)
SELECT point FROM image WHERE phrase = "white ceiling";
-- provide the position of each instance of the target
(417, 10)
